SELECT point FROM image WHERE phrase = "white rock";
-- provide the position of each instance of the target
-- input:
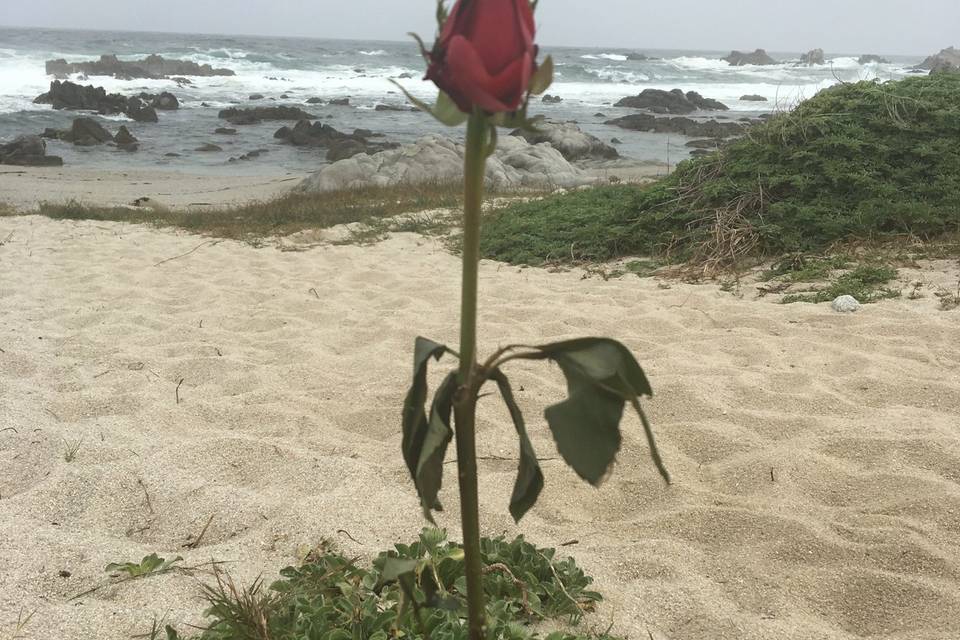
(434, 158)
(845, 304)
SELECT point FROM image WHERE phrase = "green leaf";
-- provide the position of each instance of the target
(429, 476)
(542, 78)
(602, 375)
(393, 568)
(415, 423)
(445, 110)
(529, 481)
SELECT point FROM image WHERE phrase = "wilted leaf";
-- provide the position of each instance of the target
(601, 375)
(393, 568)
(415, 424)
(543, 77)
(429, 476)
(529, 481)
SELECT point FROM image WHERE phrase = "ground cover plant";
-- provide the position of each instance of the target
(863, 160)
(333, 598)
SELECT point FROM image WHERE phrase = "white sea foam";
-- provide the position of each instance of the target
(605, 56)
(378, 52)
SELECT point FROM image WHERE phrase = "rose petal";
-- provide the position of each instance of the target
(467, 72)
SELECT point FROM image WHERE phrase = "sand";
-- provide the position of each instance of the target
(25, 187)
(816, 456)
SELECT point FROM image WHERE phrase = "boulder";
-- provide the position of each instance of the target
(740, 58)
(141, 111)
(314, 100)
(208, 147)
(637, 57)
(340, 102)
(753, 98)
(256, 96)
(256, 115)
(680, 125)
(86, 132)
(515, 164)
(225, 131)
(124, 136)
(549, 99)
(72, 96)
(674, 102)
(339, 145)
(393, 107)
(152, 66)
(947, 58)
(165, 101)
(28, 151)
(869, 58)
(845, 304)
(569, 140)
(812, 57)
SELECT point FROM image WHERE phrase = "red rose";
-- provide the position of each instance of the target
(485, 54)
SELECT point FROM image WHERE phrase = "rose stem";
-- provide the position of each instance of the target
(466, 402)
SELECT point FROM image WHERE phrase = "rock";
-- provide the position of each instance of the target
(406, 75)
(225, 131)
(208, 147)
(599, 115)
(182, 81)
(166, 101)
(569, 140)
(152, 66)
(683, 126)
(758, 57)
(314, 100)
(340, 102)
(142, 108)
(869, 58)
(753, 98)
(674, 102)
(637, 57)
(393, 107)
(256, 115)
(812, 57)
(171, 155)
(86, 132)
(549, 99)
(346, 148)
(252, 155)
(845, 304)
(141, 111)
(947, 58)
(706, 143)
(515, 164)
(124, 136)
(616, 141)
(28, 151)
(339, 145)
(256, 96)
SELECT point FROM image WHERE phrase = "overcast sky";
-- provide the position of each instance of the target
(838, 26)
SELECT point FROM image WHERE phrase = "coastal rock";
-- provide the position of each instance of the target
(549, 99)
(869, 58)
(76, 97)
(340, 102)
(683, 126)
(515, 164)
(225, 131)
(85, 132)
(394, 107)
(673, 102)
(314, 100)
(812, 57)
(256, 115)
(753, 98)
(947, 59)
(740, 58)
(339, 145)
(152, 66)
(639, 57)
(28, 151)
(256, 96)
(208, 147)
(124, 137)
(569, 140)
(845, 304)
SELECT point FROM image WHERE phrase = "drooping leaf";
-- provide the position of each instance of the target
(444, 111)
(415, 422)
(543, 77)
(529, 481)
(602, 375)
(393, 568)
(429, 476)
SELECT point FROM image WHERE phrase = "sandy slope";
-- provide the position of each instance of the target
(816, 456)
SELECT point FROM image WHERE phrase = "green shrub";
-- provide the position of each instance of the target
(857, 160)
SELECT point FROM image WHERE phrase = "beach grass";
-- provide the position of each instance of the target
(282, 216)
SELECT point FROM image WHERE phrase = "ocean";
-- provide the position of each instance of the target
(589, 80)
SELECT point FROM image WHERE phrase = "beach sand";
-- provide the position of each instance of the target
(26, 187)
(815, 456)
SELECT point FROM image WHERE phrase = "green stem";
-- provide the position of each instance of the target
(466, 403)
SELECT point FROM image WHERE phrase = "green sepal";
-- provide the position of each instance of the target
(542, 78)
(602, 375)
(529, 481)
(444, 111)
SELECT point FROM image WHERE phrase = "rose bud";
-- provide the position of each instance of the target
(485, 55)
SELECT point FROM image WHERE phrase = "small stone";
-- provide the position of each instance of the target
(845, 304)
(65, 574)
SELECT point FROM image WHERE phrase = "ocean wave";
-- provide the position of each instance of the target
(605, 56)
(377, 52)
